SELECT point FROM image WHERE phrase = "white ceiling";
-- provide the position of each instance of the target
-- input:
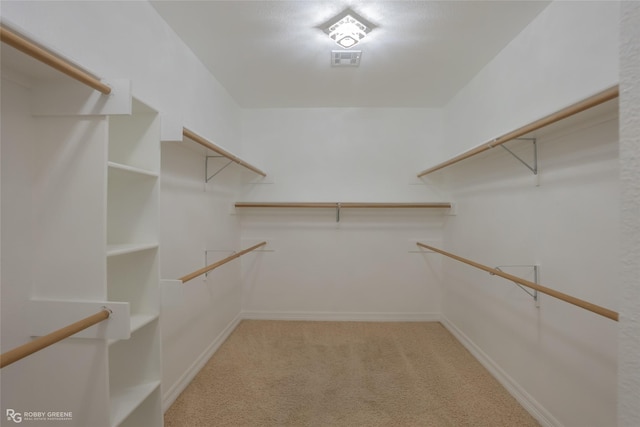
(273, 53)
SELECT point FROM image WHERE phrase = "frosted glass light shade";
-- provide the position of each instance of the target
(347, 32)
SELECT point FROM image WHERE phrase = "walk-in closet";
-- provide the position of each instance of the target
(320, 213)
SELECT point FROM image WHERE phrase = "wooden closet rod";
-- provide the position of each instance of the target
(556, 294)
(576, 108)
(209, 145)
(45, 341)
(339, 204)
(13, 39)
(219, 263)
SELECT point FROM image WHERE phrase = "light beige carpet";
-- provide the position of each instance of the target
(286, 373)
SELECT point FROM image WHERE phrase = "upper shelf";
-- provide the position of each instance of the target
(571, 110)
(340, 205)
(445, 205)
(219, 150)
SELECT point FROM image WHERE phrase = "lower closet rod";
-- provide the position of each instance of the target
(45, 341)
(610, 314)
(219, 263)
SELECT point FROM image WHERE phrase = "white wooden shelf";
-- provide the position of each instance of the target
(132, 169)
(127, 400)
(141, 320)
(133, 274)
(219, 151)
(338, 206)
(134, 139)
(136, 322)
(132, 207)
(134, 370)
(362, 205)
(147, 413)
(128, 248)
(585, 104)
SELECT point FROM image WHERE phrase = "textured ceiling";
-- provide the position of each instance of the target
(273, 53)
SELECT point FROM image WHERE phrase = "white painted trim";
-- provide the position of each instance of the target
(170, 396)
(337, 316)
(530, 404)
(170, 129)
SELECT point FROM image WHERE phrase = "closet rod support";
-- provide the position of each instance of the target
(533, 168)
(206, 168)
(532, 293)
(206, 256)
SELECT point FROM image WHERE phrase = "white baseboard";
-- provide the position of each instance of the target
(342, 317)
(525, 399)
(185, 379)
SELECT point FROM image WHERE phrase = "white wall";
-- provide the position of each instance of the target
(360, 267)
(629, 337)
(560, 360)
(129, 40)
(563, 357)
(568, 52)
(195, 218)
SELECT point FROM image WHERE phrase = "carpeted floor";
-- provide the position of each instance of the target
(289, 373)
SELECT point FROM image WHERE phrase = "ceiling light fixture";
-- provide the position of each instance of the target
(347, 29)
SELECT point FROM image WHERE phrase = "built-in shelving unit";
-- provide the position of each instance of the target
(133, 264)
(91, 170)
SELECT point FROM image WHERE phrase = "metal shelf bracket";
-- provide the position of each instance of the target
(206, 256)
(533, 168)
(532, 293)
(207, 177)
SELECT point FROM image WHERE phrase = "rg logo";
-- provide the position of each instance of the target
(14, 416)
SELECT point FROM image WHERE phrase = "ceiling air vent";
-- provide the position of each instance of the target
(345, 58)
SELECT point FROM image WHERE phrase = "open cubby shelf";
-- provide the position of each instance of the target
(133, 169)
